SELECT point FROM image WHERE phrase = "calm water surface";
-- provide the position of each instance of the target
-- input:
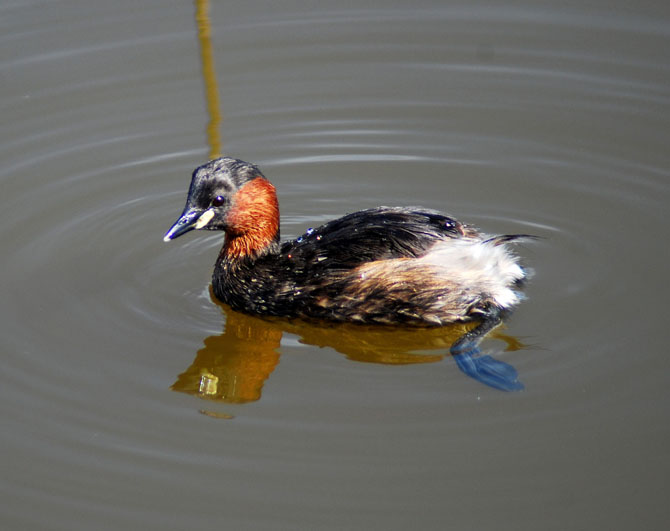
(130, 400)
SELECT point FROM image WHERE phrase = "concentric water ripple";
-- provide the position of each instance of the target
(518, 119)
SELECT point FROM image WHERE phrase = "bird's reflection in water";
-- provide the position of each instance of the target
(232, 367)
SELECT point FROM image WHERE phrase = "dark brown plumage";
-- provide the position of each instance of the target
(384, 265)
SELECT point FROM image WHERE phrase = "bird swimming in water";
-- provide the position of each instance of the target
(385, 265)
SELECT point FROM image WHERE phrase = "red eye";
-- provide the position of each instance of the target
(218, 201)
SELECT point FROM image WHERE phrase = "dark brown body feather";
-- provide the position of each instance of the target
(361, 268)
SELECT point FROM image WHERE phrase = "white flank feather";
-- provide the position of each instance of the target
(480, 264)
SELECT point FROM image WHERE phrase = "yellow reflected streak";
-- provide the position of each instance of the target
(209, 77)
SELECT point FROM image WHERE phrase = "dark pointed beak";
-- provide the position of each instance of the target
(185, 223)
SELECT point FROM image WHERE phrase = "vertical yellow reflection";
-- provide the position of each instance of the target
(209, 77)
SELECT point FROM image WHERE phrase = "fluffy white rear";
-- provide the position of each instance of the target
(481, 264)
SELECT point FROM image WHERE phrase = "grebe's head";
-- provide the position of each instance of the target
(233, 196)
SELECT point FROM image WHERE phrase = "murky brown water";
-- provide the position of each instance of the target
(528, 117)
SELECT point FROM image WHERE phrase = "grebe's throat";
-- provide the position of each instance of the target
(252, 224)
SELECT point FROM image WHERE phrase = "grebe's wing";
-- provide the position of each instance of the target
(376, 234)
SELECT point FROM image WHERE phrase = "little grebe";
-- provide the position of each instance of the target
(383, 265)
